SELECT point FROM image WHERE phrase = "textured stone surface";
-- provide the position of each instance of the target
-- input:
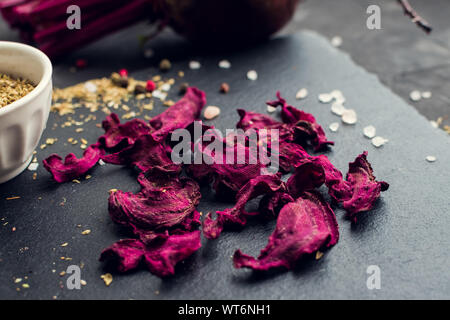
(406, 234)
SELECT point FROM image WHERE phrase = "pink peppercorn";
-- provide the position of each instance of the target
(81, 63)
(150, 86)
(123, 73)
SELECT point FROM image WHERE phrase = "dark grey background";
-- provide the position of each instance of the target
(406, 235)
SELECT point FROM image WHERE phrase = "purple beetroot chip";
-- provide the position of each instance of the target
(303, 227)
(72, 167)
(261, 185)
(160, 255)
(165, 201)
(124, 134)
(365, 189)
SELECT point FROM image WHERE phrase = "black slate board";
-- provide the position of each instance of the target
(406, 235)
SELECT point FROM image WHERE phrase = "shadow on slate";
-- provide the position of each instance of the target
(406, 234)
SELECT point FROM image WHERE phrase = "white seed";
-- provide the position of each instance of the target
(369, 131)
(301, 94)
(336, 41)
(91, 87)
(431, 158)
(252, 75)
(271, 109)
(349, 116)
(211, 112)
(334, 127)
(194, 65)
(101, 162)
(224, 64)
(426, 94)
(379, 141)
(415, 95)
(338, 108)
(33, 166)
(325, 97)
(434, 124)
(159, 95)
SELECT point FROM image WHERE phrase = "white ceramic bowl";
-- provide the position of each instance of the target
(23, 121)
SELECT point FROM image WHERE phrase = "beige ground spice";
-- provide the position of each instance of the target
(13, 89)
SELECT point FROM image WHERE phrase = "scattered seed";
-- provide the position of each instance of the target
(86, 232)
(271, 109)
(379, 141)
(62, 273)
(165, 65)
(211, 112)
(224, 87)
(431, 158)
(107, 278)
(369, 131)
(325, 98)
(65, 244)
(415, 95)
(252, 75)
(334, 126)
(224, 64)
(17, 280)
(13, 198)
(25, 285)
(336, 41)
(301, 94)
(349, 116)
(319, 255)
(83, 282)
(90, 87)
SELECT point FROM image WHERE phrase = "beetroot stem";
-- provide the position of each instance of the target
(415, 17)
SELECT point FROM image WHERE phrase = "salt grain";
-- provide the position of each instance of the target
(338, 108)
(194, 65)
(334, 127)
(415, 95)
(379, 141)
(33, 166)
(325, 97)
(301, 94)
(336, 41)
(426, 94)
(252, 75)
(369, 131)
(224, 64)
(349, 116)
(431, 158)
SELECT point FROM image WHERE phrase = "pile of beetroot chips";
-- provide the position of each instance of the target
(163, 216)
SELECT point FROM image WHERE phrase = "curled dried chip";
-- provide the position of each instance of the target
(366, 190)
(179, 115)
(160, 255)
(261, 185)
(146, 153)
(164, 201)
(72, 167)
(123, 134)
(303, 227)
(307, 177)
(306, 127)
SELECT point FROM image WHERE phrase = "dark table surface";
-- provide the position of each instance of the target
(406, 235)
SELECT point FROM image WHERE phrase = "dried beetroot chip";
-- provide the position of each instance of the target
(161, 254)
(307, 177)
(72, 167)
(121, 134)
(124, 255)
(164, 201)
(179, 115)
(306, 126)
(366, 190)
(303, 227)
(261, 185)
(146, 153)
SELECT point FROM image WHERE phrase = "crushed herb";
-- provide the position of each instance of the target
(12, 89)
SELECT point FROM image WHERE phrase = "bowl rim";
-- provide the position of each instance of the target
(45, 79)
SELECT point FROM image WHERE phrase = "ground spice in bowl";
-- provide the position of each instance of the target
(12, 89)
